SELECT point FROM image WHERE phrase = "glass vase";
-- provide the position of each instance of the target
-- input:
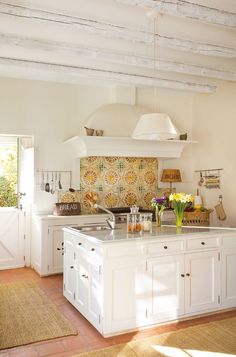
(159, 214)
(179, 218)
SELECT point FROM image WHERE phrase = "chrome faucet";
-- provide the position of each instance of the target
(111, 221)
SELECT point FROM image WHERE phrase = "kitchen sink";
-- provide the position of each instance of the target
(91, 228)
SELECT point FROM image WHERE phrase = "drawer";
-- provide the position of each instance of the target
(94, 250)
(202, 243)
(126, 250)
(165, 247)
(229, 242)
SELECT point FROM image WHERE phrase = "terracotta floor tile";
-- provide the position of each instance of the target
(50, 348)
(24, 352)
(74, 342)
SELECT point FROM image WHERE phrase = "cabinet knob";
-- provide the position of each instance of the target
(62, 243)
(72, 267)
(92, 249)
(58, 248)
(203, 243)
(83, 276)
(165, 247)
(182, 275)
(187, 274)
(79, 243)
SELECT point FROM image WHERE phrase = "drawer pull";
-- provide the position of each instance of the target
(79, 243)
(165, 247)
(92, 249)
(203, 243)
(187, 274)
(72, 267)
(182, 275)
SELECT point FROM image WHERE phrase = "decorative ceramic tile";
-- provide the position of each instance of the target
(119, 181)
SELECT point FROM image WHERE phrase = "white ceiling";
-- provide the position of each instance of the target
(111, 42)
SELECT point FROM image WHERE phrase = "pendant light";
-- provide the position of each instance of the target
(154, 126)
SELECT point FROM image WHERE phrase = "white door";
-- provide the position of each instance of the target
(125, 294)
(11, 238)
(166, 287)
(94, 292)
(55, 241)
(13, 217)
(69, 271)
(201, 281)
(81, 285)
(229, 277)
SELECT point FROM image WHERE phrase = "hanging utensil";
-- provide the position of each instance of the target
(42, 186)
(47, 186)
(201, 181)
(52, 185)
(59, 182)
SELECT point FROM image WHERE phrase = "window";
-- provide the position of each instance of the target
(8, 171)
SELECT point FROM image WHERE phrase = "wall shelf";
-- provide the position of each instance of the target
(83, 146)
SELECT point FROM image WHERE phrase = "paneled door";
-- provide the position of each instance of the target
(15, 159)
(11, 238)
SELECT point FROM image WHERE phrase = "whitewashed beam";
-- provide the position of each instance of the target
(71, 74)
(187, 9)
(116, 31)
(69, 50)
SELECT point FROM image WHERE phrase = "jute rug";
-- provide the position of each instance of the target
(214, 339)
(27, 315)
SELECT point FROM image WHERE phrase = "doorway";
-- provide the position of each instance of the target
(16, 196)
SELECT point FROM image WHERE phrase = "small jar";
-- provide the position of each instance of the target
(133, 221)
(146, 222)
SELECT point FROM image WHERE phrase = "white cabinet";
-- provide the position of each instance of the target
(124, 286)
(125, 294)
(69, 271)
(55, 245)
(47, 240)
(165, 294)
(228, 276)
(201, 281)
(82, 277)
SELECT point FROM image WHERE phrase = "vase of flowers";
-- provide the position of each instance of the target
(160, 203)
(179, 203)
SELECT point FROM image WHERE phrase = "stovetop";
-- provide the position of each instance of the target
(118, 210)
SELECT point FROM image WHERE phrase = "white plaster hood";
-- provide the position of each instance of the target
(118, 121)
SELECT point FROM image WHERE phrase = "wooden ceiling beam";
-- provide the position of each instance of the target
(72, 74)
(115, 31)
(75, 51)
(187, 9)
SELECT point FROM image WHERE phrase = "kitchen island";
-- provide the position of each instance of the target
(122, 282)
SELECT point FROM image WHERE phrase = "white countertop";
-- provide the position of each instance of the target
(120, 233)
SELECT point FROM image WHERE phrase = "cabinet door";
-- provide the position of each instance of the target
(165, 292)
(56, 249)
(81, 284)
(201, 281)
(124, 295)
(229, 278)
(94, 292)
(69, 271)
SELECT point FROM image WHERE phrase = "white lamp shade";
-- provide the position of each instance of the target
(155, 126)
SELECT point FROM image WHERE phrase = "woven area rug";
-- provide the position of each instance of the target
(214, 339)
(27, 315)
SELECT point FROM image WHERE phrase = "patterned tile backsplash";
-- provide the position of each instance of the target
(118, 181)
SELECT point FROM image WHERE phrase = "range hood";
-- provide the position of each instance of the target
(118, 122)
(83, 146)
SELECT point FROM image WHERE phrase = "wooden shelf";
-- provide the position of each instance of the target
(83, 146)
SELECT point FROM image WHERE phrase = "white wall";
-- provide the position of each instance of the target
(214, 126)
(50, 112)
(53, 112)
